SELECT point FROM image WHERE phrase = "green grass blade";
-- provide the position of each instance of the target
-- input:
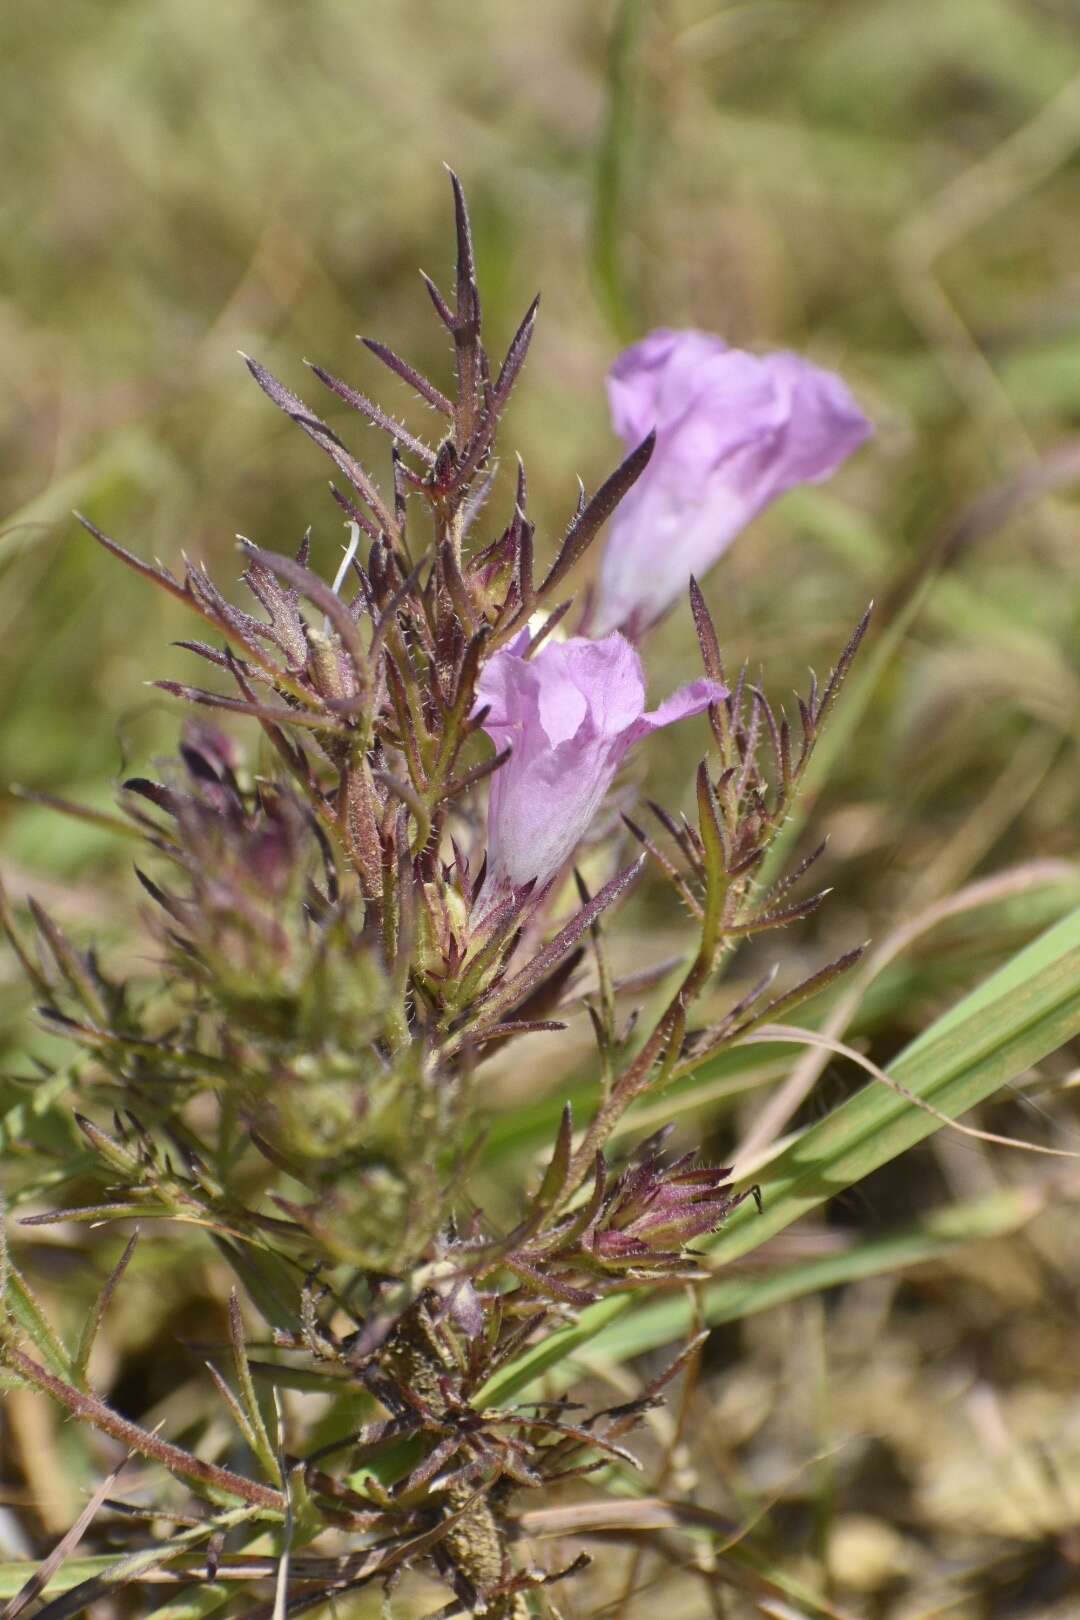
(1025, 1011)
(1017, 1017)
(26, 1314)
(615, 158)
(14, 1575)
(735, 1297)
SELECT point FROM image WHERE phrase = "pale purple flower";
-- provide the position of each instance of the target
(733, 432)
(569, 714)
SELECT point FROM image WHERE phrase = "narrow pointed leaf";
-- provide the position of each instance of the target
(325, 438)
(415, 379)
(706, 634)
(515, 355)
(97, 1312)
(375, 414)
(567, 937)
(587, 523)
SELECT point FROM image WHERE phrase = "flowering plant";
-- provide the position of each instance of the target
(346, 934)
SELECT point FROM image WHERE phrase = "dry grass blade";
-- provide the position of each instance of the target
(49, 1565)
(145, 1566)
(769, 1033)
(988, 891)
(646, 1516)
(281, 1588)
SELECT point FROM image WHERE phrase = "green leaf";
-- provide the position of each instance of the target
(24, 1310)
(36, 1101)
(271, 1285)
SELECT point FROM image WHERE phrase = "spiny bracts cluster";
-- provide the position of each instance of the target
(354, 920)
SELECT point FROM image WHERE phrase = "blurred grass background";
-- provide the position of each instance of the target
(892, 186)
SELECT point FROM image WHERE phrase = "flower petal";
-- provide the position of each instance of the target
(733, 432)
(688, 700)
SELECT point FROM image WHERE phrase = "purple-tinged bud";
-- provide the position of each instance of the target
(733, 432)
(654, 1209)
(569, 715)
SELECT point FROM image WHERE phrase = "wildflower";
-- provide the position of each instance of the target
(733, 432)
(569, 716)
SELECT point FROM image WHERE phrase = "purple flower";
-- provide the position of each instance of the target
(570, 714)
(733, 431)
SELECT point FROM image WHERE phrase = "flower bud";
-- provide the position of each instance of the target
(653, 1210)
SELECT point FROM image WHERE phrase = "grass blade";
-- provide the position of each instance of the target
(1014, 1019)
